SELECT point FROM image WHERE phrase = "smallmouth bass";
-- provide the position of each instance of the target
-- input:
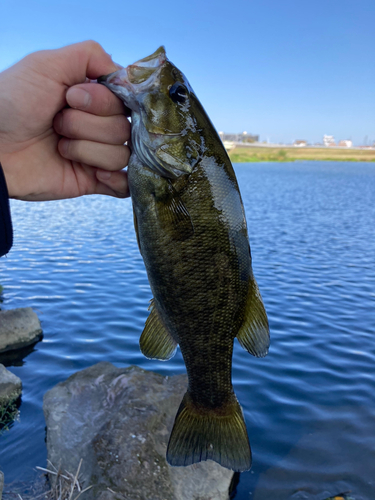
(192, 234)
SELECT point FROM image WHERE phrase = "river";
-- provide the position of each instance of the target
(309, 405)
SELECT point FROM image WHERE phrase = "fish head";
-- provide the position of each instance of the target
(165, 133)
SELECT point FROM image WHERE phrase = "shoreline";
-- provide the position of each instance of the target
(249, 154)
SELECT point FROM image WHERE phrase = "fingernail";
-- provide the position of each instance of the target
(78, 98)
(103, 175)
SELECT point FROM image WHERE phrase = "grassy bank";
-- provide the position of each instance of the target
(252, 154)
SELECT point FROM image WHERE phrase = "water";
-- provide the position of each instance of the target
(309, 405)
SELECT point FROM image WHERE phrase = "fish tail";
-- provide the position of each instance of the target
(199, 435)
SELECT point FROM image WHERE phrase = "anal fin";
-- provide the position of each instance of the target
(156, 342)
(254, 334)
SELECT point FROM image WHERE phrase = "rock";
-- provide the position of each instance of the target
(18, 328)
(1, 484)
(118, 420)
(10, 386)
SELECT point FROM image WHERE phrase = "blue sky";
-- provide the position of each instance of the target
(283, 69)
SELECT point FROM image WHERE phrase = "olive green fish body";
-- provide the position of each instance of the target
(192, 235)
(199, 283)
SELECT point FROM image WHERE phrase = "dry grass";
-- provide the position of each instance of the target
(255, 154)
(67, 486)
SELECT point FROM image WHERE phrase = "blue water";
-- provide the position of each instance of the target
(309, 405)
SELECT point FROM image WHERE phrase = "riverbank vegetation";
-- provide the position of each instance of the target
(8, 413)
(255, 154)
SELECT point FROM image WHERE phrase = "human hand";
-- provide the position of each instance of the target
(49, 151)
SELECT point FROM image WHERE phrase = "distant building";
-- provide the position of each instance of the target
(300, 143)
(346, 144)
(229, 145)
(243, 138)
(328, 140)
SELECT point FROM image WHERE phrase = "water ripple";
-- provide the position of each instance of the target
(309, 405)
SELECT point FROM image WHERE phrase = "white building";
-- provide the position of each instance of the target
(328, 140)
(346, 143)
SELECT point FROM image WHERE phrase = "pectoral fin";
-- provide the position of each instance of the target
(174, 213)
(254, 335)
(156, 342)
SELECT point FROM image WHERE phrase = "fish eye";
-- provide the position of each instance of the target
(178, 92)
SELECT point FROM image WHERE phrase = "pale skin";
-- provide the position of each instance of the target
(62, 136)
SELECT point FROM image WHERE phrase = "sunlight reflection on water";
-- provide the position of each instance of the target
(309, 405)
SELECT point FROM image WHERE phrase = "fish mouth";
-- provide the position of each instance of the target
(135, 78)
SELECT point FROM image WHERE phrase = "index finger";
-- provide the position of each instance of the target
(95, 99)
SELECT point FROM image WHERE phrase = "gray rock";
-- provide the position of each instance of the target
(1, 484)
(118, 420)
(10, 386)
(18, 328)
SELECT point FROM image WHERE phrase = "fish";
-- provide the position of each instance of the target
(192, 234)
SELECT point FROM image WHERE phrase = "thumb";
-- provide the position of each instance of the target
(75, 63)
(114, 183)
